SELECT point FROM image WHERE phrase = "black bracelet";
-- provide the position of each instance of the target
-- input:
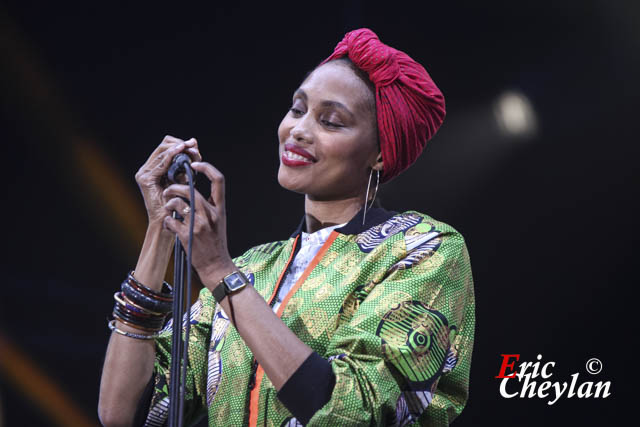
(141, 317)
(152, 324)
(156, 322)
(165, 295)
(123, 301)
(133, 325)
(144, 301)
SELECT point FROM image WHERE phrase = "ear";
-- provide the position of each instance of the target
(379, 164)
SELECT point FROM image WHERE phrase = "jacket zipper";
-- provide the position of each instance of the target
(254, 367)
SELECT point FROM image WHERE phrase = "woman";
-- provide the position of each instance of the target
(363, 316)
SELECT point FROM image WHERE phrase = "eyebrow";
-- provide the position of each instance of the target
(326, 103)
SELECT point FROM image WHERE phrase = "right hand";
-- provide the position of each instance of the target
(150, 176)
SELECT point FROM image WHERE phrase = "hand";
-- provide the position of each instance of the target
(210, 256)
(150, 176)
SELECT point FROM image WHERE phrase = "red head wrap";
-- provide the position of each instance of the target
(409, 105)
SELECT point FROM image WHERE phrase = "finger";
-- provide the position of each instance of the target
(192, 149)
(169, 142)
(216, 178)
(157, 156)
(166, 143)
(178, 205)
(175, 190)
(164, 159)
(175, 226)
(194, 154)
(180, 190)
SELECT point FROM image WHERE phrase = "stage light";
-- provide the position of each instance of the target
(515, 115)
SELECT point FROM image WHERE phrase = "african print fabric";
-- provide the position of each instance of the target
(391, 308)
(310, 244)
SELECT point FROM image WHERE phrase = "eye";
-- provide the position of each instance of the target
(330, 124)
(297, 107)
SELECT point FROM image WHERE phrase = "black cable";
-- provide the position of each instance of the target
(183, 376)
(180, 348)
(176, 348)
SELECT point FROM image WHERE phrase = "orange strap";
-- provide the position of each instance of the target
(316, 259)
(255, 393)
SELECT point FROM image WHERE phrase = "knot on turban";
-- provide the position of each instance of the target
(409, 106)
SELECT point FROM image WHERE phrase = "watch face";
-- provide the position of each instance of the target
(235, 281)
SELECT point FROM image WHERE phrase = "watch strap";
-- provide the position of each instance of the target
(220, 291)
(225, 288)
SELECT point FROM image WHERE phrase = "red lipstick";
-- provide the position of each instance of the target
(296, 156)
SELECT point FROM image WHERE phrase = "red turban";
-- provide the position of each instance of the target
(409, 105)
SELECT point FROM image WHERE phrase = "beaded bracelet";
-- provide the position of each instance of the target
(114, 328)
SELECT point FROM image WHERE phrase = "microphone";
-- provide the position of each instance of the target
(177, 168)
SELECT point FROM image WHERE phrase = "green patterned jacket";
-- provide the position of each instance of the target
(389, 304)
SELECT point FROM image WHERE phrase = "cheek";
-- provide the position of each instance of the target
(346, 152)
(284, 128)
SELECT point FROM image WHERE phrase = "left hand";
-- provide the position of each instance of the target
(210, 255)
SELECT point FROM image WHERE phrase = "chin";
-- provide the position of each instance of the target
(287, 182)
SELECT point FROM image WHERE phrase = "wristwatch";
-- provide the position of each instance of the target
(231, 283)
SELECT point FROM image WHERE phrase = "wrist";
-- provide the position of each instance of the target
(158, 239)
(154, 257)
(214, 275)
(156, 229)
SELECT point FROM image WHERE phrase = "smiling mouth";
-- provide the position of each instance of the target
(290, 155)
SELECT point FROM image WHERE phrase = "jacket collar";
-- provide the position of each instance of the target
(375, 216)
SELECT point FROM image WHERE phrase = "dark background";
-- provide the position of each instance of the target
(90, 88)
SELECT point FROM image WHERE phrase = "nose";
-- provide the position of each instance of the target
(302, 130)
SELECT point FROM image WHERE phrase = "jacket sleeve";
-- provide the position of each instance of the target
(196, 380)
(401, 352)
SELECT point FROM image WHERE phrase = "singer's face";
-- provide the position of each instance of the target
(328, 139)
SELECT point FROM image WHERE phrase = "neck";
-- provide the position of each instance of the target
(325, 213)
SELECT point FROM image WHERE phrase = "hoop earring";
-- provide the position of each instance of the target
(375, 193)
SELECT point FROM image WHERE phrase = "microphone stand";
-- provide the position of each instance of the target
(176, 340)
(180, 344)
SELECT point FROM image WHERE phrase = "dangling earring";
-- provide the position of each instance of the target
(375, 193)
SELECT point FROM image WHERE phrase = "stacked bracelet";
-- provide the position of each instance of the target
(141, 307)
(114, 328)
(147, 321)
(148, 298)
